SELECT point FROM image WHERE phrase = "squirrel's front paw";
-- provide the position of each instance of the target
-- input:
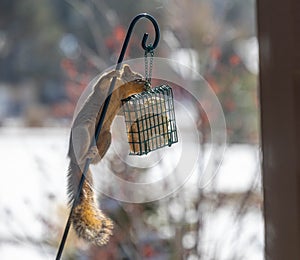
(117, 73)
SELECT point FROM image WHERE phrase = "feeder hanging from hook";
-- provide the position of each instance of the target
(104, 110)
(149, 116)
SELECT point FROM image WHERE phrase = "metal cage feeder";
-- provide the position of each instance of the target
(150, 120)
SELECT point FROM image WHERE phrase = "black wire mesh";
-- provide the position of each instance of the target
(150, 120)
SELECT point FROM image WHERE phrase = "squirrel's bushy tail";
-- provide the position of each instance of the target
(87, 219)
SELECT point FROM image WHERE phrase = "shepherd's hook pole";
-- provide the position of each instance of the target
(146, 47)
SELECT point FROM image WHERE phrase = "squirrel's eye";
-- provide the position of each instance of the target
(139, 81)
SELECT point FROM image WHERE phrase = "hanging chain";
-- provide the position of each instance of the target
(148, 68)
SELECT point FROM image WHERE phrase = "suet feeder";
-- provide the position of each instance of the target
(150, 120)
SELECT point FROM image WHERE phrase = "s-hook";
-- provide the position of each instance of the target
(149, 47)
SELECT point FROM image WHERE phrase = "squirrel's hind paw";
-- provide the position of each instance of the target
(93, 154)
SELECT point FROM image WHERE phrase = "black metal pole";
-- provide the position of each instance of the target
(104, 110)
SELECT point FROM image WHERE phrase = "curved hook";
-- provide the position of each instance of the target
(149, 47)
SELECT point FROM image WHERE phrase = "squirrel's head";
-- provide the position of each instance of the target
(128, 75)
(131, 83)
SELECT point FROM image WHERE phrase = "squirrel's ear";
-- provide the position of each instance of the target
(127, 70)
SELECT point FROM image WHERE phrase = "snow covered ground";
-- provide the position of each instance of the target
(33, 170)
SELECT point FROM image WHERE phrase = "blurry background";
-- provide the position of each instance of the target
(50, 51)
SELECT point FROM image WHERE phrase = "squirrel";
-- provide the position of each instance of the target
(88, 221)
